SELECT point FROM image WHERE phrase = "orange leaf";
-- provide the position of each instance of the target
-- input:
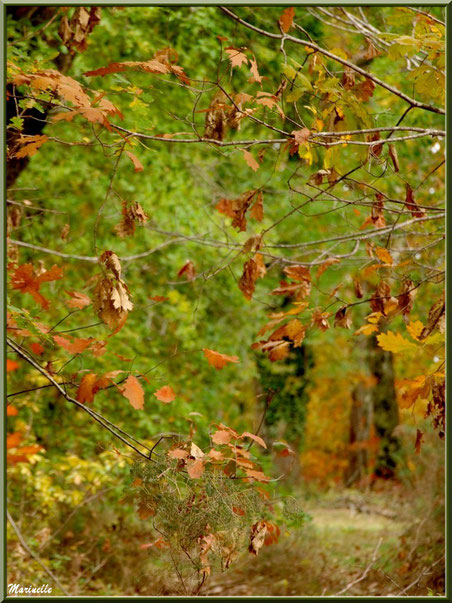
(165, 394)
(133, 391)
(11, 365)
(286, 19)
(36, 348)
(178, 453)
(221, 437)
(236, 57)
(250, 160)
(77, 346)
(217, 359)
(11, 411)
(136, 162)
(256, 438)
(13, 440)
(195, 469)
(79, 300)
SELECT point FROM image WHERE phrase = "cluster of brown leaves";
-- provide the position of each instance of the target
(411, 204)
(221, 115)
(111, 294)
(74, 32)
(232, 458)
(237, 208)
(132, 214)
(376, 217)
(95, 110)
(253, 269)
(163, 62)
(28, 280)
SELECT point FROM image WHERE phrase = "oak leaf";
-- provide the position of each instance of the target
(218, 360)
(286, 19)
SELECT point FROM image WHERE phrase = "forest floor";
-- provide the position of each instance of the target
(349, 547)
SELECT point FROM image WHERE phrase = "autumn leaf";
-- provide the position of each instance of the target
(236, 57)
(411, 204)
(76, 346)
(133, 391)
(177, 453)
(415, 329)
(436, 318)
(218, 360)
(250, 160)
(188, 269)
(89, 386)
(366, 330)
(343, 318)
(257, 537)
(394, 342)
(138, 166)
(78, 300)
(365, 90)
(221, 437)
(286, 19)
(326, 264)
(26, 280)
(253, 269)
(384, 255)
(30, 146)
(195, 469)
(11, 365)
(256, 438)
(254, 70)
(165, 394)
(394, 157)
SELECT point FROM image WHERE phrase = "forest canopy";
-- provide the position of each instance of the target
(225, 273)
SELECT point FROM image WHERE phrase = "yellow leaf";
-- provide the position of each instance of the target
(394, 342)
(366, 330)
(384, 255)
(415, 329)
(374, 317)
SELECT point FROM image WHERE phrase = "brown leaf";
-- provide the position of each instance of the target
(195, 469)
(254, 70)
(165, 394)
(257, 211)
(257, 537)
(89, 386)
(365, 90)
(177, 453)
(221, 437)
(254, 165)
(237, 208)
(411, 204)
(436, 318)
(343, 318)
(236, 57)
(256, 438)
(188, 269)
(111, 301)
(326, 264)
(301, 136)
(79, 300)
(136, 162)
(286, 19)
(218, 360)
(30, 145)
(133, 391)
(253, 269)
(406, 297)
(394, 157)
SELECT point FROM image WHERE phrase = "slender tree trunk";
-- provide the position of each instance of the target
(385, 409)
(361, 416)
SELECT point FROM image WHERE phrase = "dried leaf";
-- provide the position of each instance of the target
(188, 269)
(236, 57)
(419, 439)
(221, 437)
(218, 360)
(26, 280)
(250, 160)
(133, 391)
(195, 469)
(165, 394)
(286, 19)
(138, 166)
(79, 300)
(256, 438)
(411, 204)
(257, 537)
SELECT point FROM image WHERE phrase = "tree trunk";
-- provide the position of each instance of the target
(361, 416)
(385, 409)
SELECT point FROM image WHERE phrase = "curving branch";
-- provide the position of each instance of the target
(411, 101)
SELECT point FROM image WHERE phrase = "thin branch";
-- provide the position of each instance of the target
(33, 555)
(411, 101)
(94, 415)
(364, 574)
